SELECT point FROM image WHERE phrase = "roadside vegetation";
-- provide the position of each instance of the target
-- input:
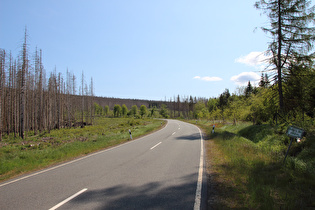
(34, 152)
(245, 155)
(245, 167)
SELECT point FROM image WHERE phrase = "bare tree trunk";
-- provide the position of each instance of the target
(36, 91)
(9, 130)
(62, 102)
(68, 81)
(91, 101)
(279, 65)
(48, 111)
(22, 92)
(58, 99)
(22, 103)
(174, 107)
(2, 64)
(15, 101)
(40, 115)
(29, 102)
(82, 82)
(86, 103)
(178, 106)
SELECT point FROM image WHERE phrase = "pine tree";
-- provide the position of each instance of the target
(262, 81)
(224, 98)
(291, 32)
(266, 80)
(299, 85)
(249, 89)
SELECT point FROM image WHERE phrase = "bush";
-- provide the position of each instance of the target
(251, 160)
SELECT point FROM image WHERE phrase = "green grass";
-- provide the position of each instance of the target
(18, 156)
(245, 166)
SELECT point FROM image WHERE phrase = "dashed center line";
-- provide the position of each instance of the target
(156, 145)
(173, 133)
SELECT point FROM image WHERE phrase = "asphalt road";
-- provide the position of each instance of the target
(158, 171)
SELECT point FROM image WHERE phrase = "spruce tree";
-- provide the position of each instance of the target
(266, 81)
(249, 89)
(292, 34)
(262, 81)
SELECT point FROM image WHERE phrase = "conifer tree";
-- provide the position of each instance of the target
(262, 81)
(249, 89)
(291, 32)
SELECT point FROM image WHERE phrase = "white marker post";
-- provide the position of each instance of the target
(130, 134)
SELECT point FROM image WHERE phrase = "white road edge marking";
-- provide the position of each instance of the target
(70, 162)
(197, 204)
(68, 199)
(155, 145)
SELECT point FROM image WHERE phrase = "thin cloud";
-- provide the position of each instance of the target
(243, 78)
(255, 59)
(208, 79)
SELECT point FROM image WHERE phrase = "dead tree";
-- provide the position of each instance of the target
(22, 91)
(2, 72)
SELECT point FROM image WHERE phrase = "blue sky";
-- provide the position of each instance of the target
(142, 49)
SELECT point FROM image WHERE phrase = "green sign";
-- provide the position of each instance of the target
(295, 132)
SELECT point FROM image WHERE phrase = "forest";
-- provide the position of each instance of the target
(31, 101)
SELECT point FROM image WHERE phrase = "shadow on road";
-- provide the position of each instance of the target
(149, 196)
(195, 136)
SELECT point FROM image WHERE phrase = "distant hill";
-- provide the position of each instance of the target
(111, 102)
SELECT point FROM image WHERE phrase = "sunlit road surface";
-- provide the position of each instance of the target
(158, 171)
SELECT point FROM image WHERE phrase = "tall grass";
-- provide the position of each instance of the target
(245, 166)
(19, 156)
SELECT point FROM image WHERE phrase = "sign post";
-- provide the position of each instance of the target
(293, 132)
(286, 154)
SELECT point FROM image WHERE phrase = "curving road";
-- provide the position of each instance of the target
(159, 171)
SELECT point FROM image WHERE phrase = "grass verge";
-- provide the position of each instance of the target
(245, 168)
(18, 156)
